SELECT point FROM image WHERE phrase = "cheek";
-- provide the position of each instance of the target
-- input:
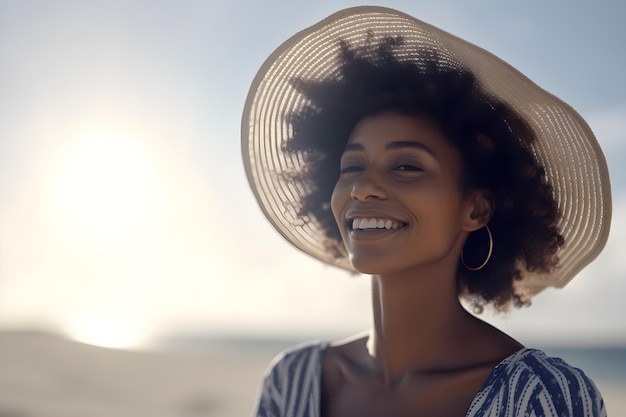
(337, 203)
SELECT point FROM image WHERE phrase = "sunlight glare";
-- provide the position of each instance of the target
(106, 331)
(108, 189)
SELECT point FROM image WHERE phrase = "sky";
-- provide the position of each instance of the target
(125, 214)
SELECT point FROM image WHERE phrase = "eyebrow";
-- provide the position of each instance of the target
(401, 144)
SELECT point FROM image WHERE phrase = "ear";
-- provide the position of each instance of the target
(480, 207)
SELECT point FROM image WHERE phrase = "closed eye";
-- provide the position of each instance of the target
(408, 167)
(350, 169)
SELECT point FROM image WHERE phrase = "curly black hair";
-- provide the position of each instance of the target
(494, 142)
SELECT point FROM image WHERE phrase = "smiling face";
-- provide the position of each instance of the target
(398, 201)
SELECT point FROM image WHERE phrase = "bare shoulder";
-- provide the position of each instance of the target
(343, 357)
(351, 349)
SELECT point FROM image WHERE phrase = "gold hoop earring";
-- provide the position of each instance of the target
(478, 268)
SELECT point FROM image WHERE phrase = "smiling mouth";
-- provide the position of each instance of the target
(363, 223)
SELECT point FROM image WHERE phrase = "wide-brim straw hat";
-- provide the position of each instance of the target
(565, 145)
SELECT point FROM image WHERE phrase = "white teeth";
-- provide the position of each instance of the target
(372, 223)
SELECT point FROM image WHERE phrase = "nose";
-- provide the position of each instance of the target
(367, 186)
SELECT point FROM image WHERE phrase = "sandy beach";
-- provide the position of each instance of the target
(47, 376)
(43, 375)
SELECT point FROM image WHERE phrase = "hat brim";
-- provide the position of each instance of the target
(565, 145)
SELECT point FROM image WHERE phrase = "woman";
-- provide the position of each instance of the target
(382, 145)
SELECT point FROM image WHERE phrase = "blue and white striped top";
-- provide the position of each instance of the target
(527, 383)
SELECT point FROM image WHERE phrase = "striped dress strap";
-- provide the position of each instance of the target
(529, 383)
(292, 384)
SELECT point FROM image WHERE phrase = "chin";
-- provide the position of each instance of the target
(371, 266)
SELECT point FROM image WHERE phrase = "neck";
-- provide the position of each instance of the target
(417, 321)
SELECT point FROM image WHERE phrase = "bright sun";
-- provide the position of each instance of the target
(107, 196)
(107, 189)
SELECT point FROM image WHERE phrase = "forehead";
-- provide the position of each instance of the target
(389, 131)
